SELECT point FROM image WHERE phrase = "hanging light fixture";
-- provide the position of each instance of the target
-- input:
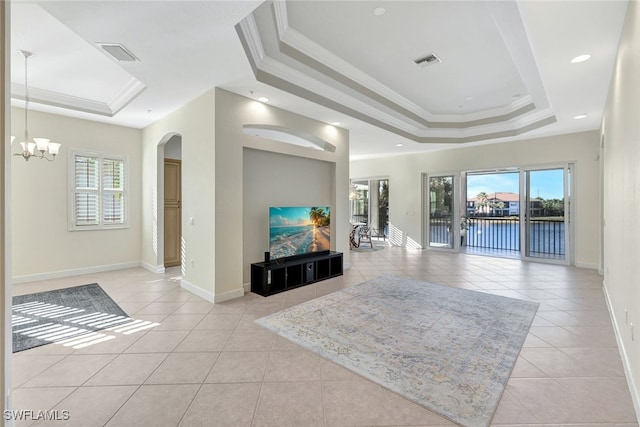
(41, 148)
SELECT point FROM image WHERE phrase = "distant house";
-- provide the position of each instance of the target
(501, 204)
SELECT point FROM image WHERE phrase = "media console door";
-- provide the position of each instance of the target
(268, 278)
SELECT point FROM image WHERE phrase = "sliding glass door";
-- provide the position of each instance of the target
(519, 213)
(546, 216)
(441, 224)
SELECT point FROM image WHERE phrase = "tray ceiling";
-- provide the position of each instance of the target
(504, 74)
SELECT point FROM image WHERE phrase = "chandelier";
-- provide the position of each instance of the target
(41, 148)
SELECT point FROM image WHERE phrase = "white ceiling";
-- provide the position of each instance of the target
(505, 72)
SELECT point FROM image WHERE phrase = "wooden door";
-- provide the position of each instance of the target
(172, 212)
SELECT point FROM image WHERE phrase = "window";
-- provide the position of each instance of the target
(98, 191)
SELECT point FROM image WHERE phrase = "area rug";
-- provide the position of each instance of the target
(62, 314)
(450, 350)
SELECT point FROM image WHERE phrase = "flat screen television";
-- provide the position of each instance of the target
(299, 231)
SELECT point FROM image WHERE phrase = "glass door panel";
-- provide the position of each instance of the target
(492, 215)
(359, 200)
(441, 226)
(545, 222)
(369, 207)
(380, 224)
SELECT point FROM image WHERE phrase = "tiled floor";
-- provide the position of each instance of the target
(210, 365)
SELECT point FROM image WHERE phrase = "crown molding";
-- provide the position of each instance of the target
(299, 47)
(514, 35)
(129, 92)
(342, 87)
(56, 99)
(249, 34)
(373, 117)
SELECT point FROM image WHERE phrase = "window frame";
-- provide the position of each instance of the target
(101, 191)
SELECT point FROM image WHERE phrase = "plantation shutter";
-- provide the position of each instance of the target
(86, 197)
(98, 191)
(113, 191)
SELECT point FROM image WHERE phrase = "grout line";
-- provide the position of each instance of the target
(419, 265)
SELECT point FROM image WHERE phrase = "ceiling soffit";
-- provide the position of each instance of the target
(285, 58)
(66, 71)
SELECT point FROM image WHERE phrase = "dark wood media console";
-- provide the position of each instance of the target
(268, 278)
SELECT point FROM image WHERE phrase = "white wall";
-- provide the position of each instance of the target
(272, 179)
(405, 181)
(173, 148)
(195, 124)
(232, 112)
(212, 185)
(621, 160)
(42, 246)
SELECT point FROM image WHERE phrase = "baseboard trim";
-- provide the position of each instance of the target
(588, 265)
(74, 272)
(155, 269)
(209, 296)
(633, 387)
(196, 290)
(246, 287)
(226, 296)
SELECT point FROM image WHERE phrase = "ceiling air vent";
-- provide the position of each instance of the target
(430, 59)
(119, 52)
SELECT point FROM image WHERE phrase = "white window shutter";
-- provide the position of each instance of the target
(98, 191)
(113, 191)
(86, 200)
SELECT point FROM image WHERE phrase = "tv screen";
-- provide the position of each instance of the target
(299, 230)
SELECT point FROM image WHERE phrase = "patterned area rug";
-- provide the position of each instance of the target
(74, 313)
(450, 350)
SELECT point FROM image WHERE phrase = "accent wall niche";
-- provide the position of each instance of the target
(274, 179)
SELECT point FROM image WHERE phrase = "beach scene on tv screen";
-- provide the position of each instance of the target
(299, 230)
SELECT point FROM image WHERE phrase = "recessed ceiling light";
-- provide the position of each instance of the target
(379, 11)
(335, 123)
(580, 58)
(399, 145)
(263, 99)
(580, 116)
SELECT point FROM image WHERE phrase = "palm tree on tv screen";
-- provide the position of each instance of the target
(319, 217)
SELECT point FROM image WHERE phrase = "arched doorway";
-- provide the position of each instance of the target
(173, 201)
(169, 150)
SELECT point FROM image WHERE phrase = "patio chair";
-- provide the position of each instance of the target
(364, 235)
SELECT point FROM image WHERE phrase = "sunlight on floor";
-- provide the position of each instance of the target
(73, 334)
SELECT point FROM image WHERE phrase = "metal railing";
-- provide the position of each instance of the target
(493, 233)
(360, 218)
(546, 236)
(440, 232)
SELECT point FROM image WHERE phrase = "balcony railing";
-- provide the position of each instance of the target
(360, 218)
(546, 235)
(494, 233)
(440, 231)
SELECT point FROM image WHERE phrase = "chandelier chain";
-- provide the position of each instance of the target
(26, 100)
(41, 148)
